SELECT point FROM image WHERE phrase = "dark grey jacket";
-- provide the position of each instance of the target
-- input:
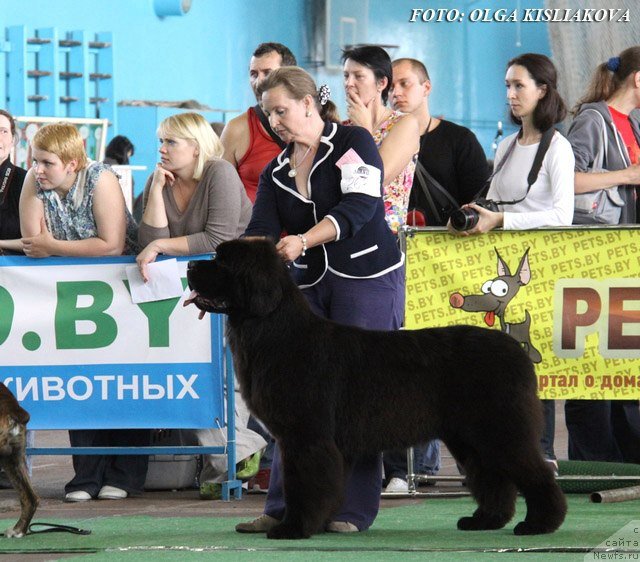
(585, 136)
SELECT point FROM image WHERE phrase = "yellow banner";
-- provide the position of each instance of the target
(570, 297)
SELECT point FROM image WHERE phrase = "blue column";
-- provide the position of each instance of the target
(49, 84)
(78, 85)
(17, 70)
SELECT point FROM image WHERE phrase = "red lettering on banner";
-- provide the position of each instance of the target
(572, 319)
(618, 317)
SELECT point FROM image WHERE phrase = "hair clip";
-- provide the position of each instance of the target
(613, 64)
(323, 94)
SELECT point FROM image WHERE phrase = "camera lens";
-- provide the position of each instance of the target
(464, 219)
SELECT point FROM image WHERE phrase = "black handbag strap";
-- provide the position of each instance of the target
(6, 182)
(545, 142)
(425, 179)
(265, 123)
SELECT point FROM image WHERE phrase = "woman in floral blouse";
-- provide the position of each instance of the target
(367, 80)
(71, 206)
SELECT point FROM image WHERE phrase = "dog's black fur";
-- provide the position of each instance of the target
(329, 393)
(13, 437)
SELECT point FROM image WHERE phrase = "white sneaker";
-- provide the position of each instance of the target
(111, 493)
(397, 486)
(341, 527)
(77, 496)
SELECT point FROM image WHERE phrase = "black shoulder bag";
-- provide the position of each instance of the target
(439, 200)
(6, 182)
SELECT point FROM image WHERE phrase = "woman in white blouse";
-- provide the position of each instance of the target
(536, 106)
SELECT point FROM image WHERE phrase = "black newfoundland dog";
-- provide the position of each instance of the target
(329, 393)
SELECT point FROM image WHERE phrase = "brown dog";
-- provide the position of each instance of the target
(13, 438)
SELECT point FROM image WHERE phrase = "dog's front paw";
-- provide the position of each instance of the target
(526, 528)
(284, 531)
(468, 524)
(484, 523)
(14, 533)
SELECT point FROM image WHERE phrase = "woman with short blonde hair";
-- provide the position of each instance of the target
(72, 206)
(194, 200)
(193, 127)
(64, 140)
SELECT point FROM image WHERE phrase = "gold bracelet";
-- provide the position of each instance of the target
(304, 244)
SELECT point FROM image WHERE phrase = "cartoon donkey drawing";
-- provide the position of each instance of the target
(496, 295)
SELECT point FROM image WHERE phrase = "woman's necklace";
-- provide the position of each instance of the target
(293, 172)
(385, 116)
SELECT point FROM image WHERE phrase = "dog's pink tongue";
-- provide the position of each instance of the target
(490, 318)
(192, 297)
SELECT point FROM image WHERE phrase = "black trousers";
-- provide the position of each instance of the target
(127, 472)
(603, 430)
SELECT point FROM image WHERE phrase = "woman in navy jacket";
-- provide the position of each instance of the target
(325, 192)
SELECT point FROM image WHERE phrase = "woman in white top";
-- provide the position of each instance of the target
(536, 106)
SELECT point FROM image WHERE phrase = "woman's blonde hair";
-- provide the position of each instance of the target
(193, 126)
(63, 140)
(298, 83)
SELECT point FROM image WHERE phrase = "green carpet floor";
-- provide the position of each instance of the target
(426, 531)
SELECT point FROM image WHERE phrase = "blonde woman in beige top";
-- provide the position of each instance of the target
(194, 200)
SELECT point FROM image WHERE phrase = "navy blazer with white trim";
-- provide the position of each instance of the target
(365, 246)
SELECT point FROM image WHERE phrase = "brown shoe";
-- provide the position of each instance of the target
(261, 524)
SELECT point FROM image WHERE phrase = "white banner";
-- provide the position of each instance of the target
(71, 336)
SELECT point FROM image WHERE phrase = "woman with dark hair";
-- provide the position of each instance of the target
(324, 190)
(608, 430)
(367, 79)
(605, 112)
(11, 180)
(536, 105)
(368, 76)
(119, 150)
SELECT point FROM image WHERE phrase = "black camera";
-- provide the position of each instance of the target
(466, 218)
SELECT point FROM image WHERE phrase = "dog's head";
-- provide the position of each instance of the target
(245, 277)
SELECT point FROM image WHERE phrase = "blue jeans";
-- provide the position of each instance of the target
(426, 460)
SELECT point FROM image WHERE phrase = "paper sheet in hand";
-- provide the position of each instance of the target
(164, 282)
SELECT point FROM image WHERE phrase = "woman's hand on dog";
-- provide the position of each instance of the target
(290, 248)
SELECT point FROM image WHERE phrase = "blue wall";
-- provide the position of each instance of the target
(204, 54)
(466, 60)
